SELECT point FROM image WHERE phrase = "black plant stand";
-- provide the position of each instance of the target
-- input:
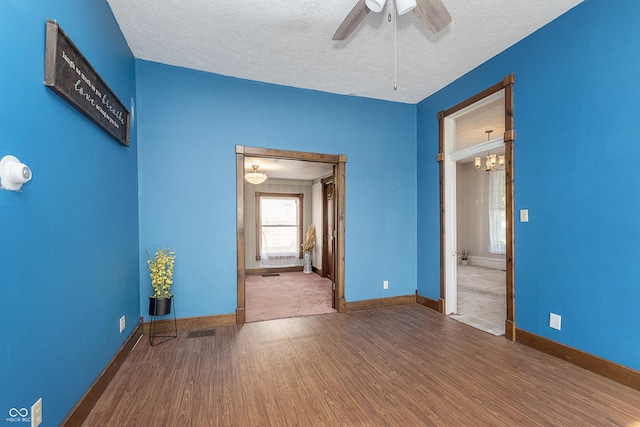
(166, 338)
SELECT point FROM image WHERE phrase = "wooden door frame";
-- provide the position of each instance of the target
(509, 138)
(325, 223)
(326, 265)
(339, 161)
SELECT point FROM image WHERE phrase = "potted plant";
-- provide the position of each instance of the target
(307, 247)
(464, 256)
(161, 273)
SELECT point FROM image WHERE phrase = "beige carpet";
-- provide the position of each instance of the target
(288, 295)
(482, 298)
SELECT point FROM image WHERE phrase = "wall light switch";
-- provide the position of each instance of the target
(555, 321)
(524, 215)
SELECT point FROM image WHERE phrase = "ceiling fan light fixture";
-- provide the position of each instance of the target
(375, 5)
(404, 6)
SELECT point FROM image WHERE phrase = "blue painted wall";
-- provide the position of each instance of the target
(576, 169)
(190, 123)
(73, 234)
(69, 254)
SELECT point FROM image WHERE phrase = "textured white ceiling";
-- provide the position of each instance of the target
(288, 42)
(289, 169)
(471, 128)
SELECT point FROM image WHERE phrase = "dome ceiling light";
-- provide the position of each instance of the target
(255, 176)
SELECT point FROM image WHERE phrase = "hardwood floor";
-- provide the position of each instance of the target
(398, 366)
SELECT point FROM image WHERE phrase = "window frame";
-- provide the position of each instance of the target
(259, 196)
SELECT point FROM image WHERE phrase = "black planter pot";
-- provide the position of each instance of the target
(159, 306)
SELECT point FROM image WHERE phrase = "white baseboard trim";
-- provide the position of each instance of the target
(499, 263)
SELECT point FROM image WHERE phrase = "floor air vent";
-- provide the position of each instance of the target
(270, 274)
(202, 333)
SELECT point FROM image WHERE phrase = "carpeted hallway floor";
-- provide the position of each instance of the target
(482, 298)
(287, 295)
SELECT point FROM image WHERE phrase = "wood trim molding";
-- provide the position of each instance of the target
(509, 80)
(340, 191)
(83, 407)
(294, 155)
(509, 137)
(431, 303)
(327, 183)
(370, 304)
(428, 302)
(506, 84)
(240, 316)
(240, 241)
(259, 271)
(618, 373)
(510, 329)
(475, 98)
(443, 261)
(191, 323)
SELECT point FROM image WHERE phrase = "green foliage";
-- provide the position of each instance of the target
(161, 272)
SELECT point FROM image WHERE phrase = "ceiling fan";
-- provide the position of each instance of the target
(432, 13)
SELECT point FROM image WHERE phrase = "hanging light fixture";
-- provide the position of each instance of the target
(402, 6)
(254, 176)
(375, 5)
(491, 162)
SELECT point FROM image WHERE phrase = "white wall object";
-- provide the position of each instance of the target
(13, 173)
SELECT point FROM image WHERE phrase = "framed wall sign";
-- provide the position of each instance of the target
(68, 73)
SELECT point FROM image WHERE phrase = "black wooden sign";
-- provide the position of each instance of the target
(69, 74)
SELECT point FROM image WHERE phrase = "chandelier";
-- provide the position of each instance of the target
(491, 162)
(254, 176)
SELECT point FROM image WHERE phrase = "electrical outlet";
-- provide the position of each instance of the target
(555, 321)
(122, 324)
(385, 284)
(36, 413)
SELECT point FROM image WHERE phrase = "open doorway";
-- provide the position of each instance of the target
(455, 150)
(480, 218)
(249, 254)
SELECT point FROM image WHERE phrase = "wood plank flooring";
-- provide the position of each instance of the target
(397, 366)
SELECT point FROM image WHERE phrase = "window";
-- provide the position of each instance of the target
(278, 228)
(497, 213)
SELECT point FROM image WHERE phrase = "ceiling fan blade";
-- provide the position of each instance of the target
(432, 14)
(351, 22)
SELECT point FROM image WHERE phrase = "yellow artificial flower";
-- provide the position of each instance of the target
(161, 272)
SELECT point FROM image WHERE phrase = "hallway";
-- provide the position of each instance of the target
(481, 298)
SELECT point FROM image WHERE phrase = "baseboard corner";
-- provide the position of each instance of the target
(437, 305)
